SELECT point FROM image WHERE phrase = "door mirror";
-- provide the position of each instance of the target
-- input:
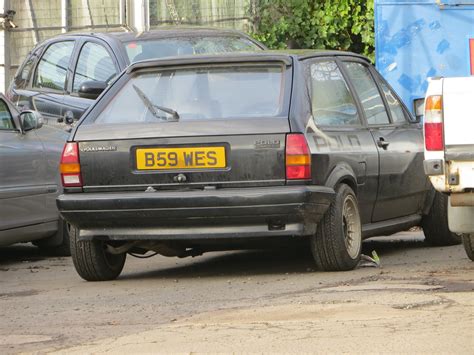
(419, 109)
(31, 120)
(91, 89)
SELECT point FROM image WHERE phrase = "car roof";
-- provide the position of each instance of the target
(283, 56)
(164, 32)
(302, 54)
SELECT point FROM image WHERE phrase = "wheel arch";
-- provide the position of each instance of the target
(342, 174)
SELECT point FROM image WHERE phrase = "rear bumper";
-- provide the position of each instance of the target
(197, 214)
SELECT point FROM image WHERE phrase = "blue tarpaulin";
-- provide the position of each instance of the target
(415, 40)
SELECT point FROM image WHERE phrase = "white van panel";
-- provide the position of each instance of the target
(458, 107)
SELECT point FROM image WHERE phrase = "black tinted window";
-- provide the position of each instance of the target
(94, 64)
(52, 68)
(6, 122)
(332, 102)
(368, 93)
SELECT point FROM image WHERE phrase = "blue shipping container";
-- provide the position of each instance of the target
(415, 40)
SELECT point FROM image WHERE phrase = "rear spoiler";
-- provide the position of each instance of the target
(210, 59)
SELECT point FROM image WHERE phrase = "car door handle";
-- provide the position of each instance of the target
(382, 143)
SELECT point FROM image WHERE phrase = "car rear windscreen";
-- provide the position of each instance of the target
(199, 93)
(148, 49)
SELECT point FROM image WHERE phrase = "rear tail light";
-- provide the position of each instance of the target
(298, 158)
(434, 123)
(70, 166)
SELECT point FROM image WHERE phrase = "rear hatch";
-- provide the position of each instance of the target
(193, 127)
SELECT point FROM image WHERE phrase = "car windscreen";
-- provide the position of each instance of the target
(199, 93)
(138, 50)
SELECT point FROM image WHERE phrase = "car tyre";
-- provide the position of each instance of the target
(51, 246)
(435, 223)
(92, 261)
(468, 241)
(337, 244)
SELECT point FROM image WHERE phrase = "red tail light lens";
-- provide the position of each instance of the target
(434, 136)
(70, 167)
(298, 158)
(434, 123)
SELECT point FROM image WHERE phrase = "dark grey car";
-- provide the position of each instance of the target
(29, 180)
(183, 156)
(63, 75)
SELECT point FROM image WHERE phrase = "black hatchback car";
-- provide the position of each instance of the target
(186, 155)
(62, 76)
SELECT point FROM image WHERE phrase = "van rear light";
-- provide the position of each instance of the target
(70, 167)
(434, 123)
(298, 158)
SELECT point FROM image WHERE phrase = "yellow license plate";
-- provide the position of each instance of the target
(180, 158)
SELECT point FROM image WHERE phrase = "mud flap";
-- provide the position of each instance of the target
(460, 218)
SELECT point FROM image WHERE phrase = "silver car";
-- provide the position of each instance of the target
(29, 180)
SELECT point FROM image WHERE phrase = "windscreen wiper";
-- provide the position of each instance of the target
(152, 107)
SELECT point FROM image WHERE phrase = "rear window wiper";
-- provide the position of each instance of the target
(152, 107)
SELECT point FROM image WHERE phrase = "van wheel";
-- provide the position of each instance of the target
(58, 244)
(468, 241)
(92, 261)
(435, 223)
(337, 244)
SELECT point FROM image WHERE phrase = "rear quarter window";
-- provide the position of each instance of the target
(23, 75)
(396, 108)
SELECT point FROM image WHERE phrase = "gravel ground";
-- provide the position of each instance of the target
(419, 301)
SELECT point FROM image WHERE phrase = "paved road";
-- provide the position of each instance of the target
(421, 300)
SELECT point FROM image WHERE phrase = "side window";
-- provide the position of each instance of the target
(368, 93)
(6, 122)
(396, 109)
(24, 75)
(332, 102)
(52, 68)
(24, 72)
(94, 64)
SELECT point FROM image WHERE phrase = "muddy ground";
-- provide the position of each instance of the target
(421, 300)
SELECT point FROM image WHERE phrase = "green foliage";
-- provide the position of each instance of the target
(315, 24)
